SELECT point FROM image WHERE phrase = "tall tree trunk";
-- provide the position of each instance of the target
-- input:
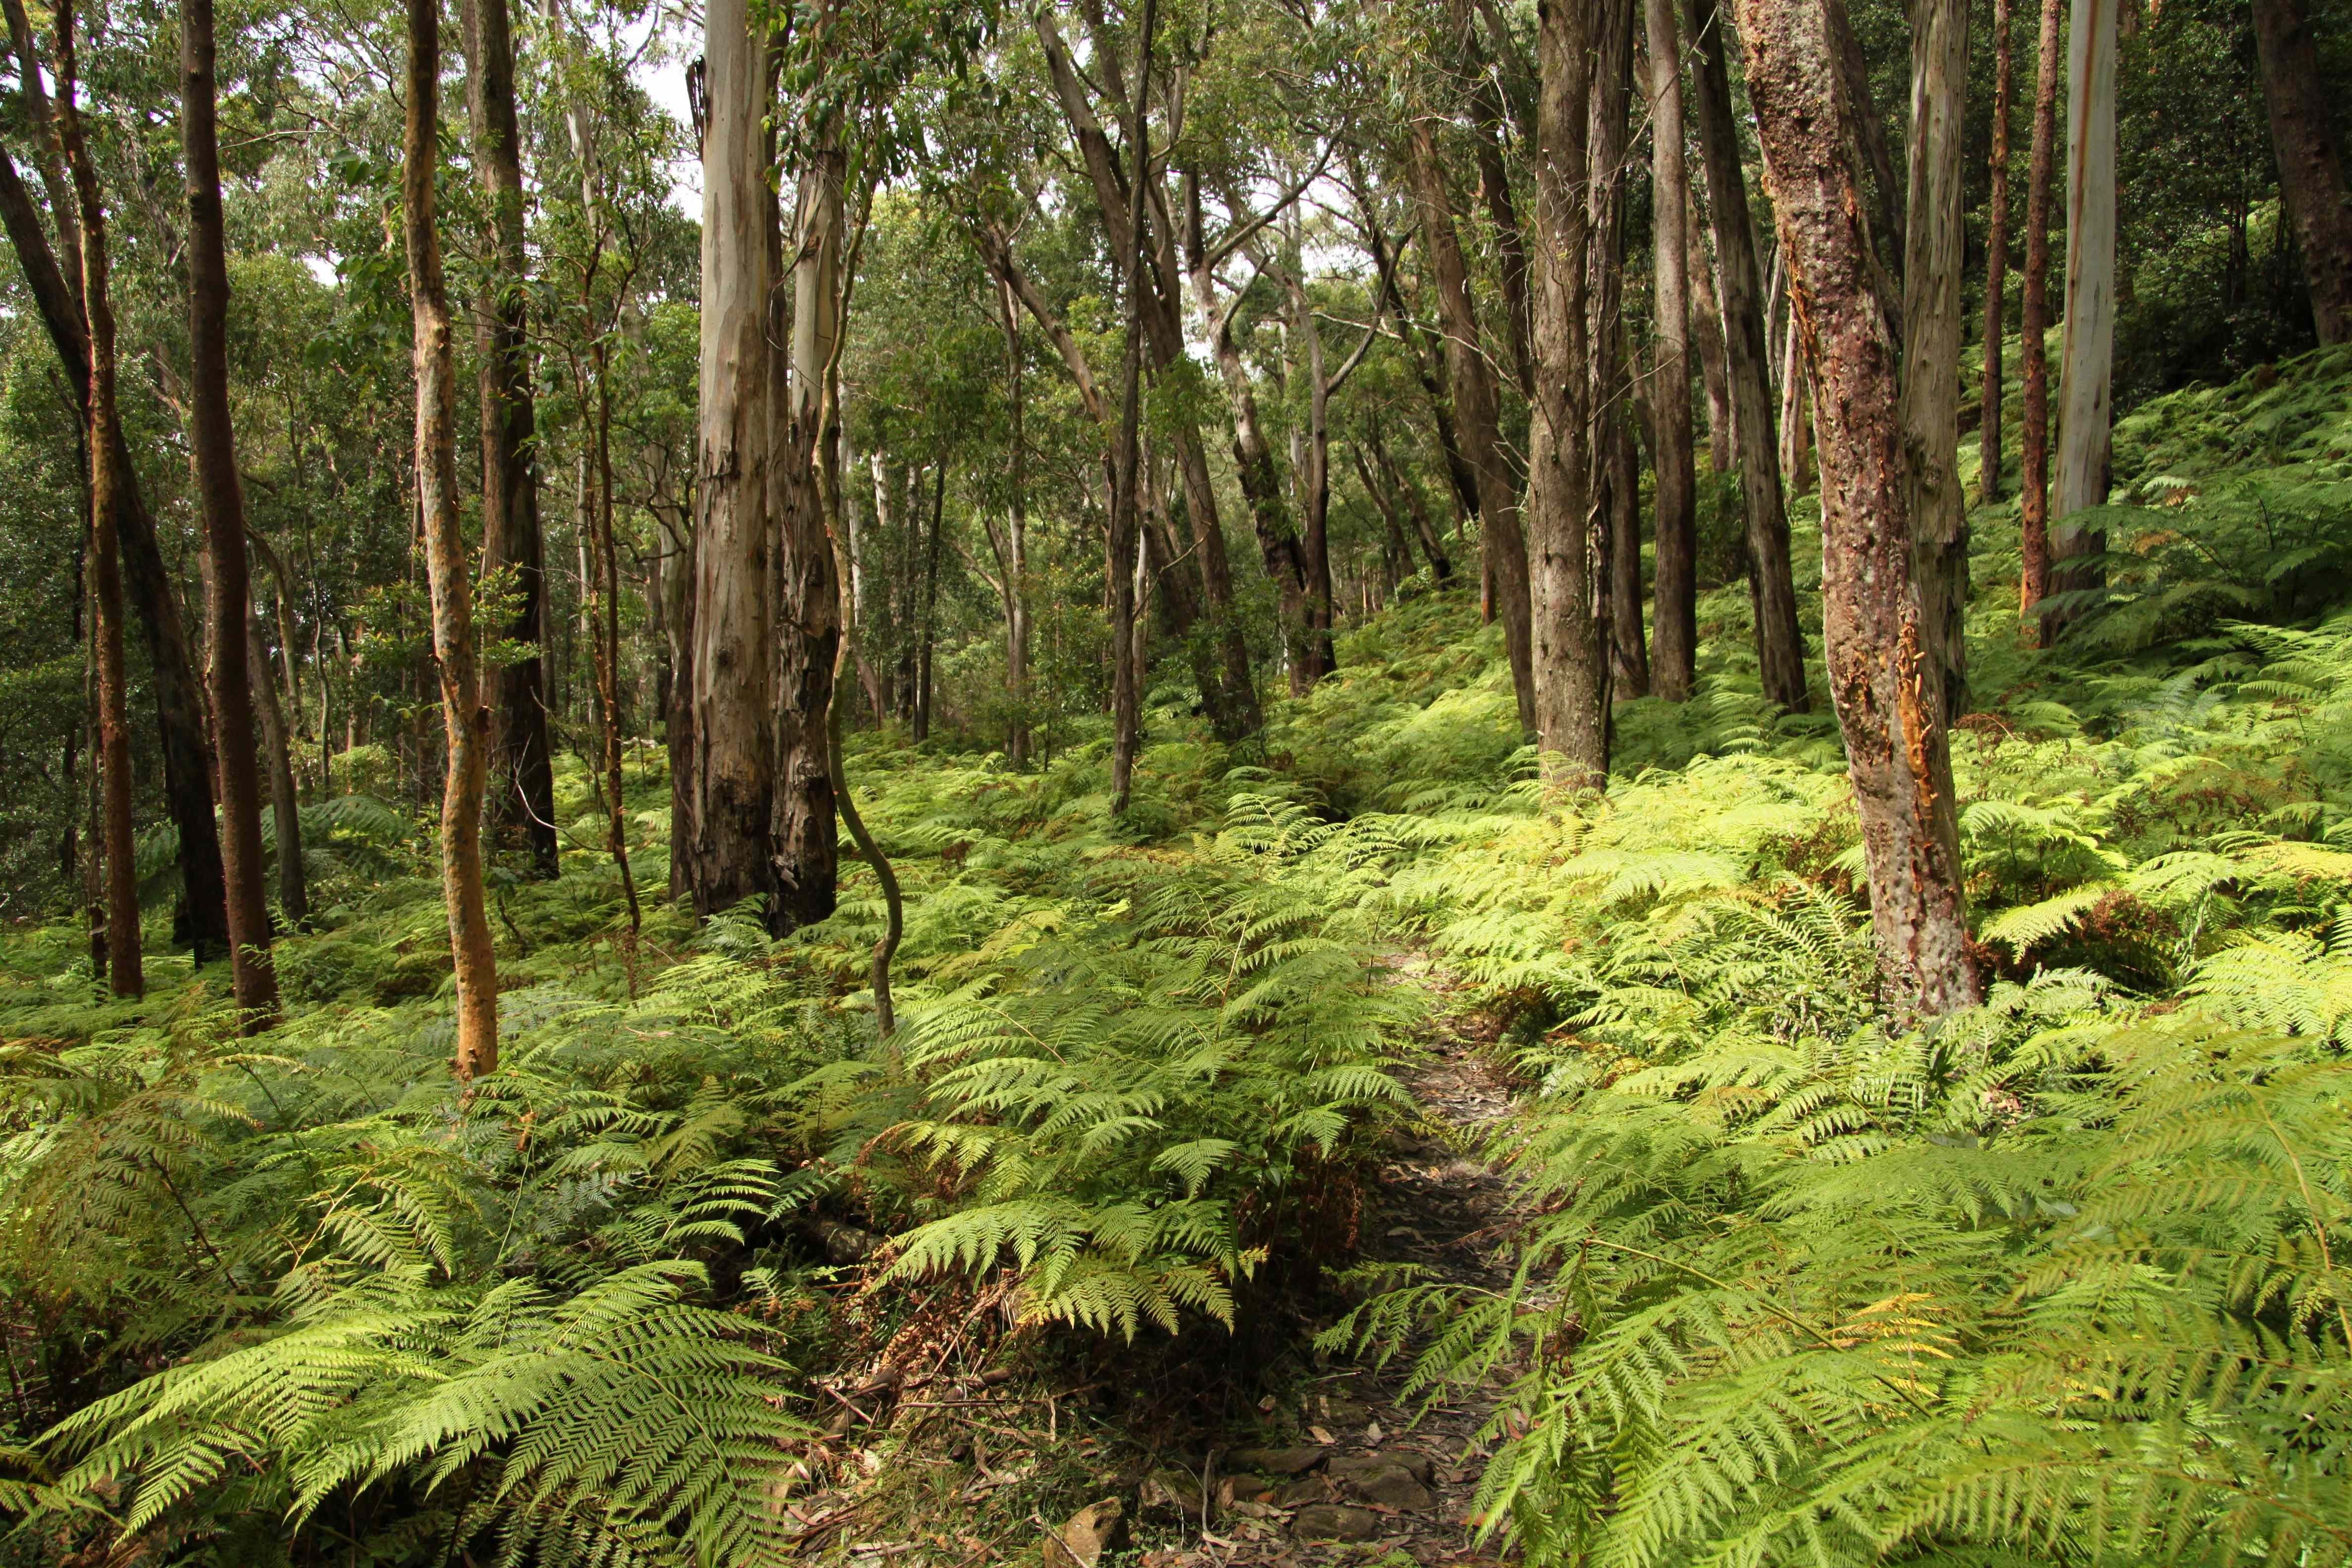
(1231, 695)
(1673, 625)
(126, 972)
(1934, 245)
(1996, 322)
(2087, 348)
(1898, 747)
(228, 594)
(1504, 547)
(1126, 498)
(1708, 344)
(2034, 331)
(179, 691)
(2311, 175)
(677, 578)
(463, 718)
(1629, 659)
(1572, 671)
(1015, 566)
(1772, 589)
(285, 807)
(1609, 504)
(734, 673)
(521, 761)
(807, 598)
(608, 648)
(929, 607)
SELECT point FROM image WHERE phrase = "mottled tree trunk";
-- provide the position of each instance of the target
(522, 797)
(464, 717)
(1934, 244)
(2033, 328)
(1772, 589)
(126, 972)
(2311, 175)
(228, 590)
(734, 672)
(1996, 321)
(1898, 747)
(1572, 671)
(2086, 347)
(805, 466)
(1504, 549)
(1674, 622)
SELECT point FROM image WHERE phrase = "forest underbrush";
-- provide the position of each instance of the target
(709, 1271)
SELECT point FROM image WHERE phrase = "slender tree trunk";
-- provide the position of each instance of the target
(1629, 659)
(1708, 344)
(1015, 564)
(1934, 248)
(1612, 504)
(734, 674)
(929, 607)
(2087, 348)
(464, 719)
(1127, 498)
(1673, 628)
(2311, 175)
(125, 970)
(229, 587)
(123, 944)
(1898, 747)
(1772, 589)
(521, 760)
(1504, 547)
(807, 598)
(1572, 696)
(2034, 331)
(285, 807)
(1996, 322)
(179, 691)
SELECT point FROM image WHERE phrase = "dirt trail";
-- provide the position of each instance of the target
(1365, 1479)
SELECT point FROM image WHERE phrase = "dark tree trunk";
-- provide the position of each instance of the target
(285, 807)
(1673, 630)
(2311, 175)
(179, 694)
(125, 968)
(804, 825)
(1934, 246)
(522, 797)
(464, 719)
(1629, 659)
(1504, 547)
(1897, 746)
(229, 594)
(1126, 495)
(1780, 645)
(1571, 652)
(2034, 346)
(1996, 323)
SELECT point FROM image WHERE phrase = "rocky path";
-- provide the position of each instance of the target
(1358, 1472)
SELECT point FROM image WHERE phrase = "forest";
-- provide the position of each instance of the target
(1176, 783)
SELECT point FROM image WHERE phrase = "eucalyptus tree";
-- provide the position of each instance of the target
(228, 590)
(464, 719)
(1772, 587)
